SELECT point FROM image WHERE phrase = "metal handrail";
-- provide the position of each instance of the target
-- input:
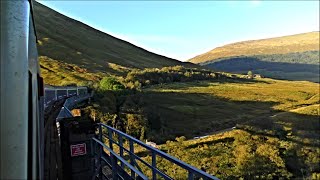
(141, 160)
(119, 158)
(155, 171)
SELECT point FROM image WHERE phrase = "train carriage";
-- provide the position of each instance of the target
(21, 94)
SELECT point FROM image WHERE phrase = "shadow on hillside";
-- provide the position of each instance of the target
(225, 80)
(206, 83)
(299, 128)
(172, 114)
(298, 71)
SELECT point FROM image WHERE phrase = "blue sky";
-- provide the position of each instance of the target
(184, 29)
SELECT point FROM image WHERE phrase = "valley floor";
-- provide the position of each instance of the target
(277, 127)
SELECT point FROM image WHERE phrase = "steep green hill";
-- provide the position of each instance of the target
(67, 40)
(278, 45)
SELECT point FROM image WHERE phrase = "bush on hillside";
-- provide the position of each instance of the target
(110, 83)
(151, 76)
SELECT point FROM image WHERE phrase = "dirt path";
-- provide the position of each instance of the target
(293, 110)
(214, 133)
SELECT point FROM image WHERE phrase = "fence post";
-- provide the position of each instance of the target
(190, 175)
(131, 157)
(114, 166)
(121, 148)
(154, 166)
(110, 138)
(93, 151)
(100, 152)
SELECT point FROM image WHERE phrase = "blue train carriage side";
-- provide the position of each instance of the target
(53, 93)
(21, 94)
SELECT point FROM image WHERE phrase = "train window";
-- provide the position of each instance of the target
(61, 93)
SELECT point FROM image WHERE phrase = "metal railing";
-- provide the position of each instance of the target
(120, 167)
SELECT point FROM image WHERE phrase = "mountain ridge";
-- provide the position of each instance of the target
(276, 45)
(71, 41)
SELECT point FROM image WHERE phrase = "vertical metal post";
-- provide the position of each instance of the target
(154, 166)
(121, 148)
(93, 153)
(190, 175)
(131, 149)
(110, 138)
(100, 152)
(77, 91)
(55, 95)
(100, 132)
(114, 167)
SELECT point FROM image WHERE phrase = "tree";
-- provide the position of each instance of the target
(136, 125)
(110, 83)
(250, 74)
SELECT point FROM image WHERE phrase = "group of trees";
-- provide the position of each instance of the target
(118, 102)
(119, 107)
(151, 76)
(110, 83)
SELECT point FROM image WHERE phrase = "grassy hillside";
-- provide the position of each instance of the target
(279, 45)
(291, 66)
(213, 106)
(70, 41)
(277, 134)
(61, 74)
(285, 152)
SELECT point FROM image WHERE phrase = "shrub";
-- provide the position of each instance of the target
(110, 83)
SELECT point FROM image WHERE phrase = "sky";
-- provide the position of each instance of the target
(184, 29)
